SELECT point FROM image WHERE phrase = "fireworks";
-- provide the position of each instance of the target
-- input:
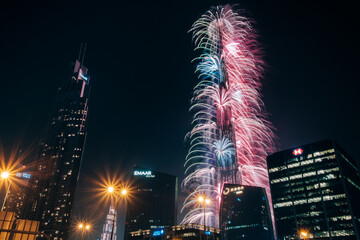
(230, 138)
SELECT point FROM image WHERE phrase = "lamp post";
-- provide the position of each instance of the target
(83, 227)
(304, 234)
(111, 190)
(204, 201)
(5, 175)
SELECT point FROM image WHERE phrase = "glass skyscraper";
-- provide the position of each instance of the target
(154, 201)
(245, 213)
(315, 187)
(53, 182)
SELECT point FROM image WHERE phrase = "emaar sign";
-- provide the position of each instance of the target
(143, 173)
(137, 173)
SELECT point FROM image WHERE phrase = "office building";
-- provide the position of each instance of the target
(245, 213)
(316, 188)
(108, 225)
(54, 180)
(154, 200)
(189, 231)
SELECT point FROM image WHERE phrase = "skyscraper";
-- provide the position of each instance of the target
(315, 187)
(230, 137)
(54, 180)
(245, 213)
(154, 200)
(108, 225)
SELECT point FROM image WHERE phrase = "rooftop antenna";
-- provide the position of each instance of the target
(83, 56)
(81, 46)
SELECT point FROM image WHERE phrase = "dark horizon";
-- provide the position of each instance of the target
(139, 59)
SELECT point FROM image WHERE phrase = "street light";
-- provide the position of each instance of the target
(5, 175)
(112, 191)
(304, 234)
(204, 201)
(83, 227)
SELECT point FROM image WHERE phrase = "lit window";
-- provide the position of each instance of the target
(284, 179)
(294, 165)
(295, 176)
(283, 204)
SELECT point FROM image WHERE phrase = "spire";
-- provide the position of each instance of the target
(81, 46)
(82, 54)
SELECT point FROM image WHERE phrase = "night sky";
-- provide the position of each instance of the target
(139, 58)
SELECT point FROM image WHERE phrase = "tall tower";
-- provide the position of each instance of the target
(109, 222)
(231, 136)
(54, 180)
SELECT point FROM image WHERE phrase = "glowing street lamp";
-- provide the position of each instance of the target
(304, 234)
(204, 201)
(83, 228)
(5, 175)
(111, 190)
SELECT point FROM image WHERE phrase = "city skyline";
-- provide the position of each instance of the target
(310, 81)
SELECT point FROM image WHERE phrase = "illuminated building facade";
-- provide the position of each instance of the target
(230, 136)
(15, 202)
(54, 180)
(106, 234)
(315, 187)
(154, 200)
(189, 231)
(245, 213)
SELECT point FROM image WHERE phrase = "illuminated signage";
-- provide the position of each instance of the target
(139, 173)
(23, 175)
(145, 173)
(298, 151)
(158, 233)
(83, 77)
(207, 232)
(237, 190)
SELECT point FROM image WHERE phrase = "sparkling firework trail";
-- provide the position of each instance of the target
(231, 137)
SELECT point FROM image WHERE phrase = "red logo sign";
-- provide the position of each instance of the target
(298, 151)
